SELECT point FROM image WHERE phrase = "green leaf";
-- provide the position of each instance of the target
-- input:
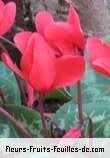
(107, 39)
(59, 94)
(67, 116)
(29, 118)
(9, 85)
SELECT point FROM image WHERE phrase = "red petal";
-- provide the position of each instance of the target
(64, 32)
(1, 4)
(9, 63)
(8, 19)
(21, 40)
(69, 69)
(30, 95)
(59, 31)
(43, 71)
(42, 19)
(73, 133)
(73, 18)
(65, 48)
(27, 58)
(1, 10)
(97, 49)
(102, 65)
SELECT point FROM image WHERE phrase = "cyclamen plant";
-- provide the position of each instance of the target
(52, 57)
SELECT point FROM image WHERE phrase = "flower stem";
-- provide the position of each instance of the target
(41, 111)
(80, 106)
(22, 92)
(90, 128)
(17, 124)
(7, 41)
(3, 48)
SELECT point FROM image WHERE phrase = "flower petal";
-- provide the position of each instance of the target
(9, 63)
(30, 92)
(58, 31)
(27, 58)
(9, 13)
(21, 40)
(1, 10)
(65, 48)
(43, 71)
(1, 4)
(42, 19)
(97, 49)
(73, 133)
(69, 69)
(102, 65)
(74, 20)
(64, 32)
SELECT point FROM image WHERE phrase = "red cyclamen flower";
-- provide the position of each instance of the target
(72, 133)
(7, 16)
(99, 55)
(66, 36)
(40, 68)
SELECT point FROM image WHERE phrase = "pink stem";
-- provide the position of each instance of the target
(22, 92)
(17, 124)
(80, 106)
(90, 128)
(41, 111)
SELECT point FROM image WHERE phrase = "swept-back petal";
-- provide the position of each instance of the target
(1, 4)
(64, 32)
(69, 69)
(42, 19)
(73, 133)
(97, 49)
(102, 65)
(27, 58)
(1, 10)
(9, 63)
(59, 31)
(73, 17)
(43, 71)
(9, 13)
(21, 40)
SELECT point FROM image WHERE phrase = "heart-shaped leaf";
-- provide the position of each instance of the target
(9, 86)
(30, 119)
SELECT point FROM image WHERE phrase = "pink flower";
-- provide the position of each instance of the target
(40, 68)
(44, 65)
(66, 36)
(72, 133)
(99, 55)
(7, 16)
